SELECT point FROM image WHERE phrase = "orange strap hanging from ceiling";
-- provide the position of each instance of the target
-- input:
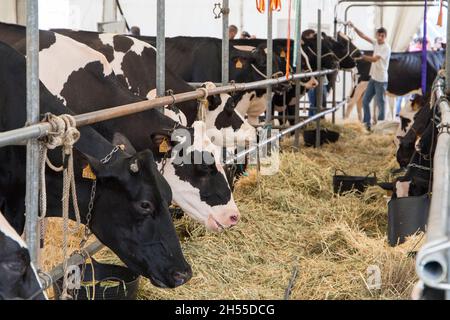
(275, 5)
(288, 53)
(439, 22)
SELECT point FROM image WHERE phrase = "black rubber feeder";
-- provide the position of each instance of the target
(326, 136)
(112, 282)
(406, 216)
(345, 183)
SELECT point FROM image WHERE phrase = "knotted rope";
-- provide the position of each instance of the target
(202, 104)
(63, 134)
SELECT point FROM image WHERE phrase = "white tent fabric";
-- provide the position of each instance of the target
(401, 24)
(8, 11)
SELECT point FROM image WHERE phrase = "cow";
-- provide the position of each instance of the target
(130, 212)
(407, 143)
(415, 153)
(202, 62)
(18, 276)
(405, 74)
(407, 117)
(88, 83)
(134, 63)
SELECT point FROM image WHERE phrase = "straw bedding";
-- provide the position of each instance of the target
(292, 219)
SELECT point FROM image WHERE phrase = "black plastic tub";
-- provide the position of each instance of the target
(326, 136)
(406, 216)
(345, 183)
(112, 282)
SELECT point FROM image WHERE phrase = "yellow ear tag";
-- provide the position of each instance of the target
(238, 64)
(88, 173)
(282, 53)
(164, 146)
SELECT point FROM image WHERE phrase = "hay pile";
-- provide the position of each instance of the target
(332, 240)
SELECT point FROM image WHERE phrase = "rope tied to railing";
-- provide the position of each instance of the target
(202, 104)
(63, 134)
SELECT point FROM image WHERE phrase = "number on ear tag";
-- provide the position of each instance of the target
(238, 64)
(164, 146)
(88, 173)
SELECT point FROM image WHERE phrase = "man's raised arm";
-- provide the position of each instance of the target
(360, 33)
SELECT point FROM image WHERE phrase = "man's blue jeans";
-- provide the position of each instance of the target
(312, 100)
(374, 89)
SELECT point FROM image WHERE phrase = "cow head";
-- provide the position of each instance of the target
(131, 215)
(18, 278)
(408, 142)
(196, 177)
(248, 63)
(345, 51)
(309, 46)
(226, 127)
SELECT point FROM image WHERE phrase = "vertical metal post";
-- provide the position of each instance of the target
(32, 158)
(333, 117)
(161, 49)
(344, 74)
(109, 10)
(319, 67)
(447, 92)
(298, 67)
(269, 71)
(225, 42)
(447, 57)
(333, 102)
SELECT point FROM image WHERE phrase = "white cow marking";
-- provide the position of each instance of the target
(64, 57)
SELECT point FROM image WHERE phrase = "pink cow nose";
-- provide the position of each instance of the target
(234, 219)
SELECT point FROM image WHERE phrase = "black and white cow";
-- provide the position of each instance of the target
(84, 80)
(18, 276)
(134, 63)
(198, 59)
(407, 115)
(130, 213)
(405, 73)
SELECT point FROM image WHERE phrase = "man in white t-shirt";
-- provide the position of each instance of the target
(378, 72)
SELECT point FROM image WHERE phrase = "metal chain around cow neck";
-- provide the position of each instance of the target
(87, 230)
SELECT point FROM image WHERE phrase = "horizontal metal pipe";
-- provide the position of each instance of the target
(37, 130)
(76, 259)
(299, 125)
(19, 136)
(431, 262)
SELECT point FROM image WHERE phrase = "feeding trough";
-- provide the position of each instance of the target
(326, 136)
(406, 216)
(103, 282)
(345, 183)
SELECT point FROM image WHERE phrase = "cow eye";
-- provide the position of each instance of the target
(147, 207)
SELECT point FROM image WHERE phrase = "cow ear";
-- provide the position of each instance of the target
(214, 101)
(161, 143)
(120, 140)
(91, 167)
(229, 106)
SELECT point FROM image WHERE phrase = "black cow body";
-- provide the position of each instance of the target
(199, 189)
(18, 277)
(130, 213)
(134, 63)
(405, 70)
